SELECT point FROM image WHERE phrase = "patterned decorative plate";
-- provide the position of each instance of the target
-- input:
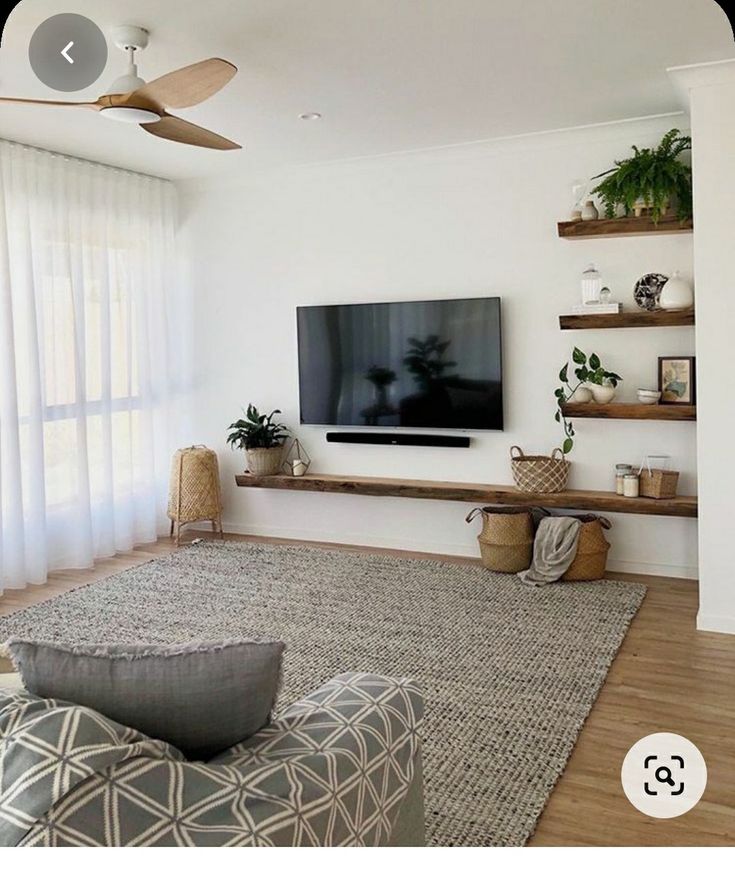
(647, 291)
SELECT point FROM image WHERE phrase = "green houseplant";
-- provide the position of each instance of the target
(591, 375)
(651, 179)
(262, 439)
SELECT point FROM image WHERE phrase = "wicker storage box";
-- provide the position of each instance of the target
(590, 562)
(658, 483)
(506, 539)
(539, 474)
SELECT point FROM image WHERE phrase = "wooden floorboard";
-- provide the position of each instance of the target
(666, 677)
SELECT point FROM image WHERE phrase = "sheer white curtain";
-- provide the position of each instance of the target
(89, 360)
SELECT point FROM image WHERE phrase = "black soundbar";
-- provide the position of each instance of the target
(400, 439)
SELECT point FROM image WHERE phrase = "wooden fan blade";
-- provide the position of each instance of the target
(189, 85)
(173, 128)
(34, 103)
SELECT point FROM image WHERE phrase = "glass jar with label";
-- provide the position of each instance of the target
(591, 285)
(631, 485)
(621, 471)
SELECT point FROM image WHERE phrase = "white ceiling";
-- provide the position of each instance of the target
(387, 75)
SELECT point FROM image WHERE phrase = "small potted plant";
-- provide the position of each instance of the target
(593, 380)
(649, 180)
(262, 439)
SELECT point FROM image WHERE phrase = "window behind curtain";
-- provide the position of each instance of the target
(90, 359)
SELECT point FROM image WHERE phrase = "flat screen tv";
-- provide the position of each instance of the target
(425, 364)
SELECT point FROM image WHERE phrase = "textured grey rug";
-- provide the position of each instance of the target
(509, 671)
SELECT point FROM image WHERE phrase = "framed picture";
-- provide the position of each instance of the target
(677, 380)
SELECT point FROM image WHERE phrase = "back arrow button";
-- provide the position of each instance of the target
(68, 52)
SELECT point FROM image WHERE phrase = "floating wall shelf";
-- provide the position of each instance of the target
(576, 230)
(640, 318)
(599, 501)
(631, 411)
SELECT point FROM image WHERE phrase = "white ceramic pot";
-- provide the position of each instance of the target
(602, 393)
(581, 394)
(676, 293)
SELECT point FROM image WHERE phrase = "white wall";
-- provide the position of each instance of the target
(464, 221)
(713, 129)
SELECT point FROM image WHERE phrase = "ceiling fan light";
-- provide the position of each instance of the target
(125, 84)
(130, 114)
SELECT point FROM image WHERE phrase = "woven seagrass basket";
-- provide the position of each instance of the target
(590, 562)
(506, 539)
(658, 483)
(265, 462)
(194, 491)
(539, 474)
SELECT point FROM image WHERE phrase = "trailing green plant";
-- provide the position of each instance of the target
(654, 175)
(257, 431)
(586, 370)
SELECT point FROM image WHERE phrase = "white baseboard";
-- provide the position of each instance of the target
(356, 539)
(458, 549)
(709, 623)
(653, 569)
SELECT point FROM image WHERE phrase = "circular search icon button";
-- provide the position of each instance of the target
(664, 775)
(68, 52)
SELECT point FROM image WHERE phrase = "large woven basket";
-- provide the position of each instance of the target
(590, 562)
(506, 539)
(539, 474)
(194, 492)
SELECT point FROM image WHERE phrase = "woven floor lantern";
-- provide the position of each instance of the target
(194, 493)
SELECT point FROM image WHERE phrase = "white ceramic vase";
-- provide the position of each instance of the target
(602, 394)
(676, 293)
(590, 212)
(581, 394)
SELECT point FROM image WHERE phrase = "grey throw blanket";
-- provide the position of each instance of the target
(553, 550)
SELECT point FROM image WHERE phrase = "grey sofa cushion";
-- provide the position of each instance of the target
(201, 698)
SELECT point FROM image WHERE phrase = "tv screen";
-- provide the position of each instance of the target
(432, 364)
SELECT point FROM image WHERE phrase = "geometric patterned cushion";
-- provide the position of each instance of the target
(48, 748)
(333, 769)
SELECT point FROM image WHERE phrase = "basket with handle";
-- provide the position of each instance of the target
(539, 474)
(657, 482)
(592, 549)
(506, 539)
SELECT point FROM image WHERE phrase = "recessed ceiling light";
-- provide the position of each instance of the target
(310, 117)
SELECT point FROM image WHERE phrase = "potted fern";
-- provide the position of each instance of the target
(262, 439)
(650, 180)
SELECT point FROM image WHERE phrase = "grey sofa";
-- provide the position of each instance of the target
(339, 767)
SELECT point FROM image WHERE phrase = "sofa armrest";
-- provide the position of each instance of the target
(355, 740)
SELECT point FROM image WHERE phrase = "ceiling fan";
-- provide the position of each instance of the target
(132, 99)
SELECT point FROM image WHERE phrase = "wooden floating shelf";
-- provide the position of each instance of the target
(631, 411)
(597, 501)
(683, 318)
(579, 230)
